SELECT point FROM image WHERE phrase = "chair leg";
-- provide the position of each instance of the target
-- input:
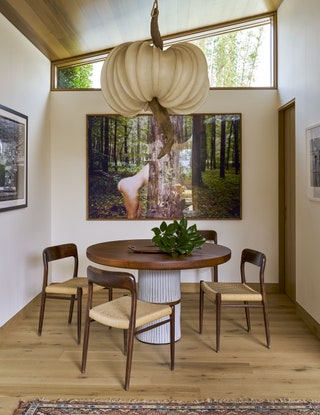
(72, 299)
(247, 311)
(266, 324)
(125, 342)
(41, 315)
(218, 321)
(129, 358)
(215, 273)
(201, 301)
(85, 343)
(79, 311)
(172, 338)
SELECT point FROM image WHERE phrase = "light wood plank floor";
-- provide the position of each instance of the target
(49, 366)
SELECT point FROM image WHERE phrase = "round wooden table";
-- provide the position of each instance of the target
(159, 273)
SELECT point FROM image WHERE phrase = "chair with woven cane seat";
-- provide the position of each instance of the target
(126, 312)
(233, 294)
(211, 237)
(71, 289)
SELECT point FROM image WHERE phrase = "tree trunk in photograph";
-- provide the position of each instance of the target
(223, 148)
(163, 196)
(198, 157)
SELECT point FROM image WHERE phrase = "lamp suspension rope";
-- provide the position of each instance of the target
(154, 26)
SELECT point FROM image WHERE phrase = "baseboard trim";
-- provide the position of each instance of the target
(309, 321)
(19, 316)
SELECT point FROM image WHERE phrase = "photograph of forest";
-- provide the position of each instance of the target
(200, 178)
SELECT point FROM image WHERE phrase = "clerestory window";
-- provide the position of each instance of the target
(239, 55)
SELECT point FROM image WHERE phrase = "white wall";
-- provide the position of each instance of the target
(259, 225)
(24, 87)
(299, 79)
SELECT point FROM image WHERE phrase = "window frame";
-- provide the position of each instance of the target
(199, 33)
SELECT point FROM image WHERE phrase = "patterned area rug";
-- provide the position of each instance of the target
(79, 407)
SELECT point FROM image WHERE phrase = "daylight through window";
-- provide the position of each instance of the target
(238, 56)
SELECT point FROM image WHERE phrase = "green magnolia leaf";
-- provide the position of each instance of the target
(192, 229)
(171, 229)
(163, 227)
(156, 231)
(184, 222)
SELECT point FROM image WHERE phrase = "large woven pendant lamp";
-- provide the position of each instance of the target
(141, 76)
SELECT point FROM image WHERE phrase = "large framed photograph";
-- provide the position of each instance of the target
(199, 178)
(13, 159)
(313, 162)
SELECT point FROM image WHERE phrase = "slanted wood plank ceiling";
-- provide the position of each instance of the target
(63, 29)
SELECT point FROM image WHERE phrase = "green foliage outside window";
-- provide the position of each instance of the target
(233, 57)
(75, 77)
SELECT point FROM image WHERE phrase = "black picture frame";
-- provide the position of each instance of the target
(202, 173)
(313, 162)
(13, 159)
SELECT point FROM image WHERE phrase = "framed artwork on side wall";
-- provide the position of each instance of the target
(200, 178)
(13, 159)
(313, 162)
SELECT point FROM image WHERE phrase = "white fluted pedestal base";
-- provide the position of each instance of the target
(160, 286)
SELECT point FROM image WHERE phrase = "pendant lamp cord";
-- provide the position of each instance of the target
(155, 9)
(154, 27)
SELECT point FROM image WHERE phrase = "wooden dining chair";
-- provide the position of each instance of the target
(72, 288)
(211, 237)
(126, 312)
(233, 294)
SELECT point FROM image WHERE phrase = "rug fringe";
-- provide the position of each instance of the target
(169, 401)
(19, 410)
(212, 406)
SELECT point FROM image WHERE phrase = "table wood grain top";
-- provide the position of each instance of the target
(118, 254)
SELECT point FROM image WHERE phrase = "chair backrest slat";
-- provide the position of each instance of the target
(109, 279)
(57, 252)
(253, 257)
(52, 253)
(210, 235)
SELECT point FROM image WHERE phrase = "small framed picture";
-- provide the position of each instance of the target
(313, 161)
(13, 159)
